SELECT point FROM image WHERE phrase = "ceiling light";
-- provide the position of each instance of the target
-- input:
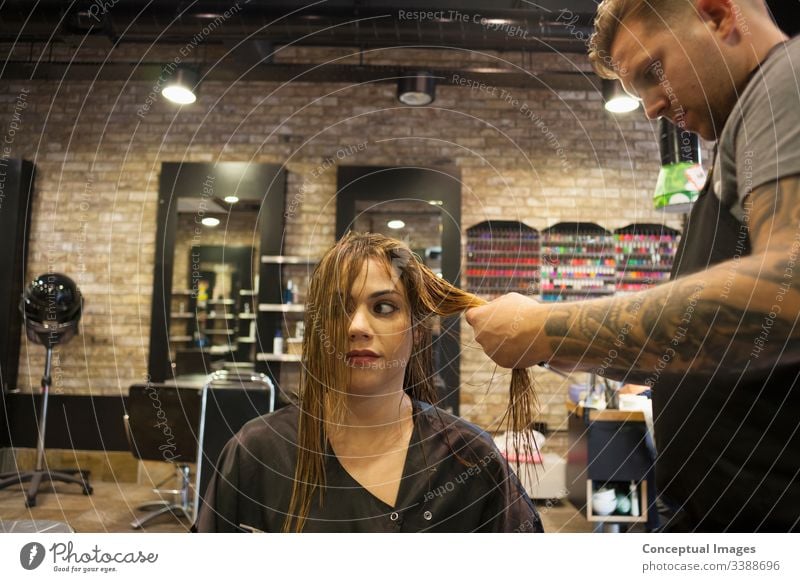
(416, 89)
(181, 86)
(231, 199)
(617, 100)
(210, 221)
(395, 224)
(436, 202)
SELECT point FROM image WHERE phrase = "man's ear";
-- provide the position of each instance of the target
(720, 16)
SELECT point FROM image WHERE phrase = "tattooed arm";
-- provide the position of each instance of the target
(745, 309)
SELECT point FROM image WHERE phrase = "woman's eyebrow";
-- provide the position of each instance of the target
(383, 292)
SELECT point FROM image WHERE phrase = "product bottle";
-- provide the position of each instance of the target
(277, 343)
(634, 500)
(289, 293)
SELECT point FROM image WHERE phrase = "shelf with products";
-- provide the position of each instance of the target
(645, 253)
(280, 308)
(502, 250)
(578, 262)
(616, 502)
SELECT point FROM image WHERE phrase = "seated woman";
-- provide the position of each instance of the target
(365, 450)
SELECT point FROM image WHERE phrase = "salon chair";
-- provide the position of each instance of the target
(184, 424)
(163, 424)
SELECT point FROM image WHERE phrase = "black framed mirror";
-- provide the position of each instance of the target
(422, 207)
(217, 219)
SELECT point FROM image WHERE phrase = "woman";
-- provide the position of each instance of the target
(365, 450)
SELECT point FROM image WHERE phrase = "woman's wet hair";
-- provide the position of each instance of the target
(325, 375)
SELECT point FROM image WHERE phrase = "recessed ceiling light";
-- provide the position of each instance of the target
(231, 199)
(210, 221)
(395, 224)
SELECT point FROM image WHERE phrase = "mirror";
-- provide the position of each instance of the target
(214, 223)
(415, 222)
(422, 207)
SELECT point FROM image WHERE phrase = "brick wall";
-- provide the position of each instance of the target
(538, 156)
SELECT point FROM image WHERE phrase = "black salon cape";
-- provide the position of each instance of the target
(251, 488)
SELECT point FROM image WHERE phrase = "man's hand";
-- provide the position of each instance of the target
(505, 330)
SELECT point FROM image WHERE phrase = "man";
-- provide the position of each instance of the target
(720, 344)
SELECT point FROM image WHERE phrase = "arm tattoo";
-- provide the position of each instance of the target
(698, 321)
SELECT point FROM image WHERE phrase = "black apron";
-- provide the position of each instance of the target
(728, 445)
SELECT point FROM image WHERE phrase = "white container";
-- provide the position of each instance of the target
(277, 343)
(604, 502)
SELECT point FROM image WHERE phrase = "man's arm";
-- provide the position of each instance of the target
(746, 308)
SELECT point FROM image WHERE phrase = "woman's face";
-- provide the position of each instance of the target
(379, 333)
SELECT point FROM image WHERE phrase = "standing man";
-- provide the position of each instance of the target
(720, 344)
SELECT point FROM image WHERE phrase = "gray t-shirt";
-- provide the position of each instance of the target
(760, 142)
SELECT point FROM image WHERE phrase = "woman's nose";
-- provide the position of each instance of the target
(359, 325)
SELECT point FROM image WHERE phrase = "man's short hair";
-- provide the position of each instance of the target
(611, 13)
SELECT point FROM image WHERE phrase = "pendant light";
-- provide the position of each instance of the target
(616, 99)
(181, 86)
(417, 89)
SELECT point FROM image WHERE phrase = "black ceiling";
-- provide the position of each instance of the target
(501, 25)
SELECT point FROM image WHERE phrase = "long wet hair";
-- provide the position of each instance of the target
(325, 375)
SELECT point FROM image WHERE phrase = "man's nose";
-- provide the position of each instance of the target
(656, 106)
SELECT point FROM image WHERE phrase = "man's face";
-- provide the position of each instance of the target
(678, 72)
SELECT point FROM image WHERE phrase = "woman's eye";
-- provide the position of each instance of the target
(384, 308)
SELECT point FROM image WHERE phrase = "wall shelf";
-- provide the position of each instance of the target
(282, 307)
(287, 260)
(269, 357)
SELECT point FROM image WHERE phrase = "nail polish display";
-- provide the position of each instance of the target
(568, 261)
(502, 256)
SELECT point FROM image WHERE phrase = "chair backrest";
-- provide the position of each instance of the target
(232, 400)
(163, 422)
